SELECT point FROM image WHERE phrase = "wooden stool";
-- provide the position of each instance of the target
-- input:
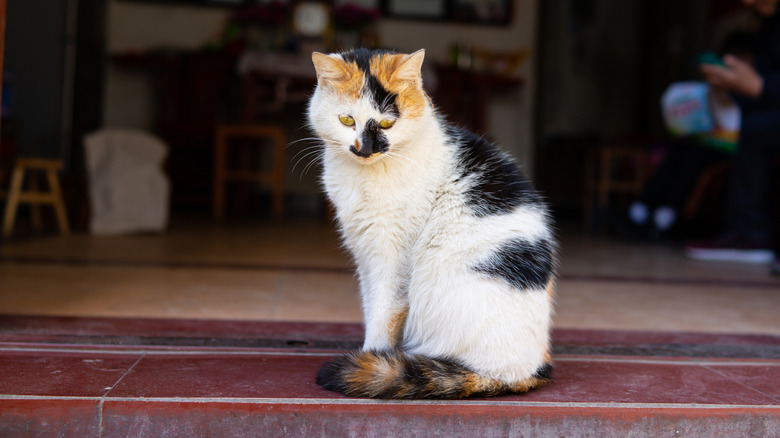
(35, 196)
(222, 174)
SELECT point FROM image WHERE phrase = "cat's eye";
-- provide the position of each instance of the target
(385, 124)
(347, 120)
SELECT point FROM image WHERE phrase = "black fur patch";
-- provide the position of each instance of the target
(362, 57)
(500, 186)
(421, 372)
(384, 101)
(330, 376)
(522, 264)
(544, 372)
(373, 140)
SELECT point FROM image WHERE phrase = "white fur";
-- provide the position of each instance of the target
(415, 241)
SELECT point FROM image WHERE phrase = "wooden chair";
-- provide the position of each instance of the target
(269, 84)
(613, 182)
(34, 196)
(223, 174)
(613, 169)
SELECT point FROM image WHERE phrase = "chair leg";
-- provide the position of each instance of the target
(604, 187)
(58, 203)
(280, 139)
(218, 197)
(221, 173)
(13, 201)
(35, 208)
(589, 192)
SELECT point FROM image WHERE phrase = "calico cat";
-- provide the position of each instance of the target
(453, 247)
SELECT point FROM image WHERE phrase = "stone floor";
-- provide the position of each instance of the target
(297, 272)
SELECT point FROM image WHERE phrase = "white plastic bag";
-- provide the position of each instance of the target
(128, 190)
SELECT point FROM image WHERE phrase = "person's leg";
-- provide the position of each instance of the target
(672, 182)
(747, 204)
(748, 238)
(670, 185)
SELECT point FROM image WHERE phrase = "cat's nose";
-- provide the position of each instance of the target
(362, 149)
(370, 142)
(355, 149)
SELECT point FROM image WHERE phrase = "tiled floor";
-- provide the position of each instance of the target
(297, 272)
(117, 377)
(191, 333)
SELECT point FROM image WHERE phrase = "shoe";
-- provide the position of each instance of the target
(730, 247)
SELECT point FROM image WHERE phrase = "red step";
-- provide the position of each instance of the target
(159, 378)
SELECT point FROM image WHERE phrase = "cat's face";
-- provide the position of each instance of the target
(367, 104)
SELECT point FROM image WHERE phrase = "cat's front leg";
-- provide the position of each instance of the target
(384, 310)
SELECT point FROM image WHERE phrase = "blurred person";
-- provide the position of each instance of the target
(666, 192)
(748, 236)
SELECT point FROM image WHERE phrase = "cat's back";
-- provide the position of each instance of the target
(484, 203)
(492, 183)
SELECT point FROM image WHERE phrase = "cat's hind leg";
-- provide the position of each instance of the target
(487, 324)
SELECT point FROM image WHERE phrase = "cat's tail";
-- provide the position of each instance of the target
(398, 375)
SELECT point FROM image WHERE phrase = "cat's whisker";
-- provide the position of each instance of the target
(316, 161)
(321, 145)
(307, 139)
(393, 154)
(312, 163)
(308, 149)
(312, 139)
(302, 155)
(315, 153)
(305, 170)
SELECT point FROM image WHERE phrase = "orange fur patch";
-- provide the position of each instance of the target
(373, 374)
(350, 86)
(523, 385)
(550, 288)
(411, 99)
(365, 373)
(383, 67)
(528, 384)
(474, 384)
(395, 328)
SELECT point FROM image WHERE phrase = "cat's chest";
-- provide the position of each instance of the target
(381, 200)
(371, 203)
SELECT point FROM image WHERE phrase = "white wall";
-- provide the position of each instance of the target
(146, 25)
(139, 27)
(143, 26)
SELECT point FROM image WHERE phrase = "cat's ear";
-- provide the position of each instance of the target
(328, 68)
(410, 67)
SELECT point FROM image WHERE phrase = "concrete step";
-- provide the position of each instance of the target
(161, 378)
